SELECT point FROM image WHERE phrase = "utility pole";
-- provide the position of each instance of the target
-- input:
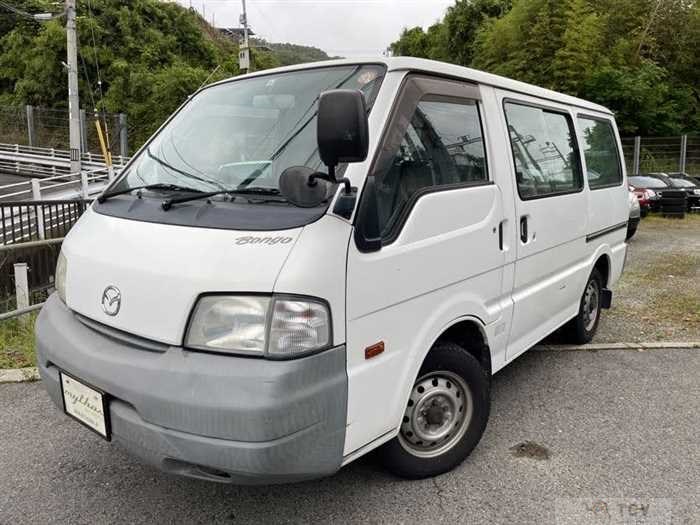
(73, 99)
(244, 62)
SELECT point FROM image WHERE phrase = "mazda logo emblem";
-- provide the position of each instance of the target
(111, 300)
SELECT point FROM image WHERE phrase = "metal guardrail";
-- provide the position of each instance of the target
(33, 278)
(50, 170)
(26, 221)
(56, 187)
(44, 163)
(21, 311)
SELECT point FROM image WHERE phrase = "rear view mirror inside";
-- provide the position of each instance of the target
(274, 101)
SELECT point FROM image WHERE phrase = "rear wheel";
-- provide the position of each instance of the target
(582, 328)
(631, 230)
(445, 415)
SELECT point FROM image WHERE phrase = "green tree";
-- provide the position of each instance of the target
(413, 42)
(580, 50)
(644, 99)
(288, 54)
(450, 40)
(638, 57)
(141, 57)
(462, 22)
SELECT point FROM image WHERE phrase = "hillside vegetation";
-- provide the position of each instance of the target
(151, 55)
(289, 54)
(641, 58)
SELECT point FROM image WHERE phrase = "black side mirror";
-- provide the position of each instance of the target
(342, 131)
(368, 236)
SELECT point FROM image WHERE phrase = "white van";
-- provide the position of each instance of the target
(308, 263)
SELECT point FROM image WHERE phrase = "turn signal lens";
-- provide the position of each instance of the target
(60, 277)
(298, 327)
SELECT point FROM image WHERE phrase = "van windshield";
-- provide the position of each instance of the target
(244, 133)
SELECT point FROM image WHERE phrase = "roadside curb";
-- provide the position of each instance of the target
(25, 375)
(19, 375)
(594, 347)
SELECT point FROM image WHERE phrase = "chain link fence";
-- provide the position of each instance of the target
(45, 127)
(13, 125)
(662, 154)
(48, 128)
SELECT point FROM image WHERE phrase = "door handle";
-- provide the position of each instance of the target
(523, 229)
(500, 235)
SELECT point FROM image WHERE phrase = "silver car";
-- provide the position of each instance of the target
(635, 215)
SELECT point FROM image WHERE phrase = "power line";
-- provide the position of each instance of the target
(39, 17)
(94, 51)
(17, 11)
(87, 77)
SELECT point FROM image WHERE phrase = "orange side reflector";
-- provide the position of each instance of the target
(374, 350)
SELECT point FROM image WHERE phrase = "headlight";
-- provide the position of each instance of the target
(274, 327)
(696, 192)
(61, 268)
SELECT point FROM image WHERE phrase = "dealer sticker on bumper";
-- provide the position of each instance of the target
(85, 404)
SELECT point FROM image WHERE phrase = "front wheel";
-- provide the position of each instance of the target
(445, 415)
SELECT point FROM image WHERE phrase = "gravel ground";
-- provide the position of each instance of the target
(658, 296)
(607, 431)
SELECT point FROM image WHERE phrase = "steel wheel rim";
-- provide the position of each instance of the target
(437, 414)
(591, 298)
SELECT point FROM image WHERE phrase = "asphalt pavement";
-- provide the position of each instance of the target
(574, 437)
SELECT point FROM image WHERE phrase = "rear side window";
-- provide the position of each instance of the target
(600, 150)
(544, 151)
(442, 146)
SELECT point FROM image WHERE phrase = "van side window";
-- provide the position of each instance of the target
(600, 150)
(443, 146)
(544, 150)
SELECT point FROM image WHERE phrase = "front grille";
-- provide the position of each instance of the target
(126, 338)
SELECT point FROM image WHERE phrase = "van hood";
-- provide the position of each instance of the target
(159, 270)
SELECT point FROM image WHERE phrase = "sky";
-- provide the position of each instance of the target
(348, 28)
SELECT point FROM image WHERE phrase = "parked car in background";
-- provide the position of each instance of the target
(691, 186)
(635, 215)
(648, 188)
(694, 178)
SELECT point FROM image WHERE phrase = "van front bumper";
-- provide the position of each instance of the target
(216, 417)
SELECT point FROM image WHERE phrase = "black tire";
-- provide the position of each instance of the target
(631, 230)
(579, 330)
(399, 457)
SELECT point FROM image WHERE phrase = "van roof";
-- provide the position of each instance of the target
(452, 70)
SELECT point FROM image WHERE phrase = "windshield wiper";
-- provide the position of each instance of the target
(156, 186)
(169, 166)
(251, 190)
